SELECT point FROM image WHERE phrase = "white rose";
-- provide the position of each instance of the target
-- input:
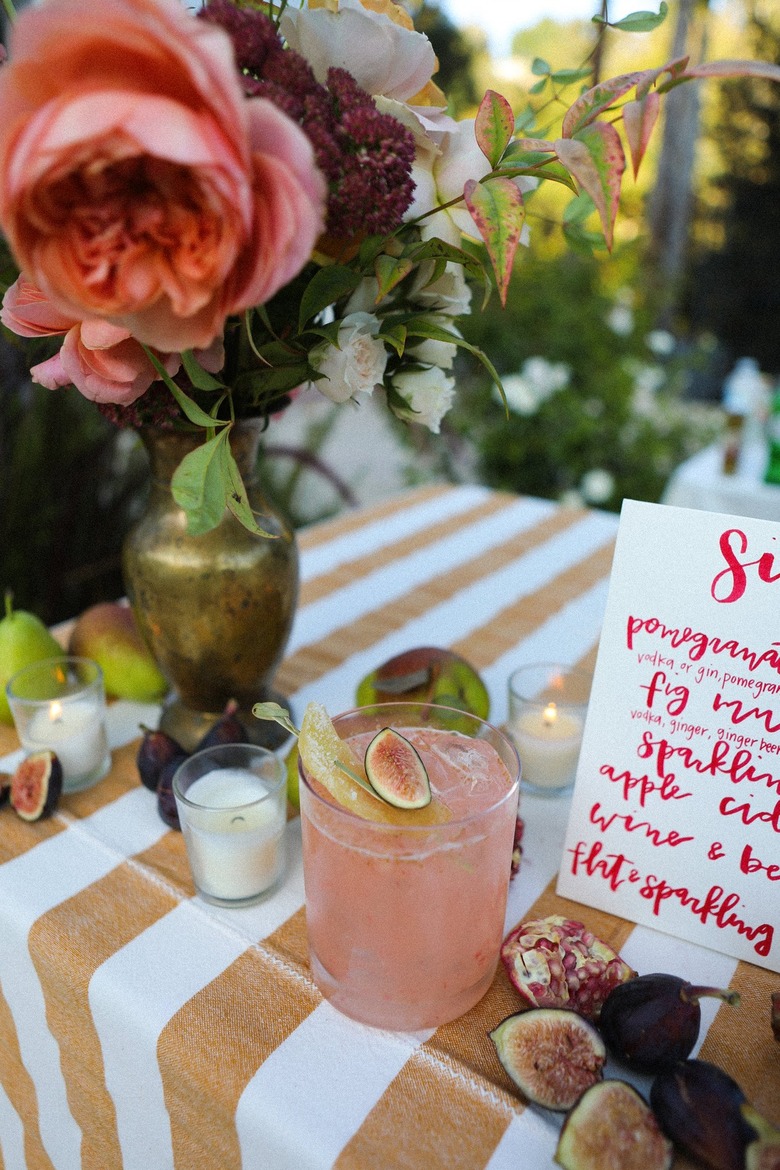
(437, 353)
(428, 393)
(449, 294)
(382, 56)
(356, 364)
(441, 176)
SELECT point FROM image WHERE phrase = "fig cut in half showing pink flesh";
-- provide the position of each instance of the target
(613, 1128)
(558, 962)
(395, 770)
(553, 1055)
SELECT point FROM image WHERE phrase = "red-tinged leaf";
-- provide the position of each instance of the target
(639, 118)
(496, 206)
(597, 161)
(594, 101)
(650, 76)
(493, 126)
(734, 68)
(535, 144)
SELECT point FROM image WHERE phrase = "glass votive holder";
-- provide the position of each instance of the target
(547, 707)
(59, 705)
(232, 805)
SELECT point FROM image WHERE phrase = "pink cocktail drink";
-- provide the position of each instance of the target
(405, 921)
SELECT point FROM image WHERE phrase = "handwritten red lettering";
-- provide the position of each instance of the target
(716, 851)
(737, 765)
(734, 573)
(739, 715)
(605, 821)
(610, 866)
(640, 787)
(716, 906)
(729, 808)
(750, 863)
(678, 696)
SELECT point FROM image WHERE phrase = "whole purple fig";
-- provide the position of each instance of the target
(227, 729)
(653, 1021)
(700, 1108)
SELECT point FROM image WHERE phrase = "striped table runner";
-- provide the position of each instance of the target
(141, 1028)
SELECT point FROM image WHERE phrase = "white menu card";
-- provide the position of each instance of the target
(675, 816)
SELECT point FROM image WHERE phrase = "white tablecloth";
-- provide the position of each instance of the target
(701, 483)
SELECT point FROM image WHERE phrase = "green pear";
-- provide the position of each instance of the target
(107, 633)
(24, 639)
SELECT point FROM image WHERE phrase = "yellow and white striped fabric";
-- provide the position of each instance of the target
(145, 1030)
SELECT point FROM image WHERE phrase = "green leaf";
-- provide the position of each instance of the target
(569, 76)
(390, 272)
(638, 21)
(394, 335)
(493, 126)
(277, 714)
(540, 67)
(200, 378)
(496, 206)
(538, 86)
(273, 378)
(198, 485)
(191, 409)
(236, 497)
(579, 209)
(326, 287)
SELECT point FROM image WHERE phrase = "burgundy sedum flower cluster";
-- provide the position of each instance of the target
(366, 156)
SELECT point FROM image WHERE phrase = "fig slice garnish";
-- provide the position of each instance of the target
(395, 770)
(613, 1128)
(553, 1055)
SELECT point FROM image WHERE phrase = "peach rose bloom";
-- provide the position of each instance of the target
(137, 184)
(101, 360)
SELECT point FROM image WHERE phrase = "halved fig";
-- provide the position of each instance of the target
(553, 1055)
(36, 786)
(558, 962)
(395, 770)
(612, 1128)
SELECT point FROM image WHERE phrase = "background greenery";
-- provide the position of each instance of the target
(645, 335)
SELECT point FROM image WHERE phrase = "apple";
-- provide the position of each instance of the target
(428, 674)
(24, 639)
(107, 633)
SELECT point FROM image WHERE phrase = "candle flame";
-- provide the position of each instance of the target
(55, 711)
(550, 714)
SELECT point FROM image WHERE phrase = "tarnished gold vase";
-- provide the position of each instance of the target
(216, 609)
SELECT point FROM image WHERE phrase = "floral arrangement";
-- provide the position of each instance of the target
(208, 210)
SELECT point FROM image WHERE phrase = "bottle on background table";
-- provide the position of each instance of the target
(772, 470)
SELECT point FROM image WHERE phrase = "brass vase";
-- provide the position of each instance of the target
(215, 609)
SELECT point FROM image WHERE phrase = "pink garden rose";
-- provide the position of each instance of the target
(138, 185)
(100, 359)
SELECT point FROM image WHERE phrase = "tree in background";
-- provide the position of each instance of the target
(733, 286)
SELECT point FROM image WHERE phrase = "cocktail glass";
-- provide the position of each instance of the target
(405, 920)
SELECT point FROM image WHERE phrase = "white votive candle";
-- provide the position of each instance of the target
(548, 741)
(74, 730)
(233, 823)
